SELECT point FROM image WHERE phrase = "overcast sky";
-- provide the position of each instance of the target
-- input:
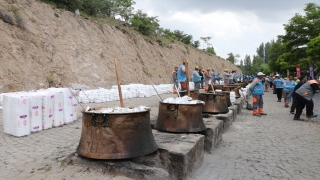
(237, 26)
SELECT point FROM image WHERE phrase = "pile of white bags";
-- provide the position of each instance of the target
(128, 91)
(26, 112)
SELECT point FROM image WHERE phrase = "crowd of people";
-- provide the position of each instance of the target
(298, 91)
(202, 78)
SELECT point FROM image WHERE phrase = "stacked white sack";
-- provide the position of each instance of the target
(47, 109)
(1, 101)
(17, 111)
(35, 112)
(57, 107)
(74, 108)
(67, 104)
(7, 101)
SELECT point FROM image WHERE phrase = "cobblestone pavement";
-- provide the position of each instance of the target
(39, 155)
(267, 147)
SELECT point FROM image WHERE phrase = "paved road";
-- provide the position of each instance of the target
(270, 147)
(40, 155)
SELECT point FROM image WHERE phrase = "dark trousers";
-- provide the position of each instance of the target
(279, 93)
(271, 83)
(294, 103)
(301, 103)
(201, 84)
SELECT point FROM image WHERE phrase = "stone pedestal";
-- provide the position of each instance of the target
(213, 134)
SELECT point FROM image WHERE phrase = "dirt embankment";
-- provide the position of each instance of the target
(73, 49)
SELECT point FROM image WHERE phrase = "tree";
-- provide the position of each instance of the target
(144, 24)
(211, 50)
(196, 44)
(123, 8)
(247, 64)
(206, 40)
(275, 51)
(233, 58)
(299, 32)
(261, 50)
(313, 52)
(266, 52)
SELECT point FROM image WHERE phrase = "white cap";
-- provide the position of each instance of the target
(260, 74)
(277, 75)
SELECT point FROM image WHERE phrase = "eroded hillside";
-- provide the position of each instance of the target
(43, 42)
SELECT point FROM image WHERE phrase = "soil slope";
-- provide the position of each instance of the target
(74, 49)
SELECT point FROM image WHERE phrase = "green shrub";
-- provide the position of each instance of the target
(50, 79)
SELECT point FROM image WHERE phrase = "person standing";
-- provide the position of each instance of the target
(257, 91)
(303, 79)
(304, 97)
(219, 77)
(213, 76)
(207, 78)
(181, 74)
(271, 82)
(175, 79)
(287, 90)
(196, 78)
(278, 82)
(226, 77)
(202, 77)
(266, 84)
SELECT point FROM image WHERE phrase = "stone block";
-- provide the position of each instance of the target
(234, 108)
(226, 118)
(213, 134)
(239, 102)
(178, 155)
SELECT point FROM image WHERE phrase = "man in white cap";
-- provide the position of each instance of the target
(257, 90)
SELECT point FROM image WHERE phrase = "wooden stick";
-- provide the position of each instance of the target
(118, 81)
(187, 81)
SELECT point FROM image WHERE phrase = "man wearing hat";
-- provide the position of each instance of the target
(257, 90)
(182, 77)
(196, 78)
(226, 77)
(278, 82)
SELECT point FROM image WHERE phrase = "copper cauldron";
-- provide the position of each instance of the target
(215, 103)
(214, 87)
(194, 94)
(227, 93)
(228, 88)
(180, 118)
(116, 136)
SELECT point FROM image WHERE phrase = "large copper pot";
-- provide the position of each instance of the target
(194, 94)
(227, 93)
(116, 136)
(180, 118)
(228, 88)
(215, 103)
